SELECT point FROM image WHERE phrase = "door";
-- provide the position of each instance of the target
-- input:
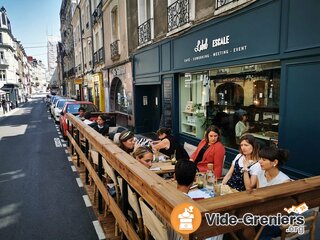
(148, 108)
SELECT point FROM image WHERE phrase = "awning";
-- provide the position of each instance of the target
(2, 92)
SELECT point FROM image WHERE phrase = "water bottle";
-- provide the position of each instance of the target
(210, 177)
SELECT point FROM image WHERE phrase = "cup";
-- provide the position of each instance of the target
(200, 178)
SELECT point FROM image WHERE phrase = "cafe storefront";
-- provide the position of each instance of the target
(247, 62)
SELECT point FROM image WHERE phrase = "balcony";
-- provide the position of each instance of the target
(144, 32)
(98, 56)
(114, 47)
(95, 58)
(97, 13)
(222, 3)
(178, 14)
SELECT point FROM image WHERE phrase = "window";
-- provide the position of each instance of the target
(2, 75)
(145, 21)
(1, 55)
(115, 24)
(1, 39)
(4, 19)
(221, 96)
(180, 13)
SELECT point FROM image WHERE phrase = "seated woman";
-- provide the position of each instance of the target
(210, 150)
(126, 141)
(245, 165)
(144, 155)
(271, 159)
(168, 145)
(101, 125)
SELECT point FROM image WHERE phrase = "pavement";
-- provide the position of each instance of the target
(9, 113)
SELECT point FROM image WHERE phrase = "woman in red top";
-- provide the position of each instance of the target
(210, 150)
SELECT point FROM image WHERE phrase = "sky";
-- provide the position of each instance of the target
(31, 22)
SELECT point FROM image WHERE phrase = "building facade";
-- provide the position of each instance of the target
(235, 56)
(118, 69)
(66, 53)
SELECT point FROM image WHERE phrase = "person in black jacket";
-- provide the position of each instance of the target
(101, 125)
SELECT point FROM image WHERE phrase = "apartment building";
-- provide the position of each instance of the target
(253, 55)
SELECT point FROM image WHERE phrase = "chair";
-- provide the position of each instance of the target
(134, 203)
(151, 223)
(110, 173)
(310, 226)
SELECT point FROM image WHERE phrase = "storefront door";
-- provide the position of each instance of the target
(148, 108)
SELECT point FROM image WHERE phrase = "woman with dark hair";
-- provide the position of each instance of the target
(210, 150)
(271, 159)
(245, 167)
(169, 146)
(126, 141)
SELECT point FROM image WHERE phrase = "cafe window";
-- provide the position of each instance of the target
(221, 96)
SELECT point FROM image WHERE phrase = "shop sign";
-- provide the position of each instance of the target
(78, 81)
(121, 70)
(230, 39)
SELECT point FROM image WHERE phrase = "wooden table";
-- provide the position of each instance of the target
(162, 167)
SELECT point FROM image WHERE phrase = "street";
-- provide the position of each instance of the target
(41, 196)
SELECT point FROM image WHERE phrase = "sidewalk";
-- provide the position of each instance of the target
(10, 112)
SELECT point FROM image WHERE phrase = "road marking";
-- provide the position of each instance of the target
(87, 201)
(66, 151)
(57, 142)
(69, 159)
(80, 184)
(73, 168)
(64, 145)
(60, 136)
(98, 229)
(49, 118)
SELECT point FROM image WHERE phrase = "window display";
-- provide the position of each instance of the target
(222, 96)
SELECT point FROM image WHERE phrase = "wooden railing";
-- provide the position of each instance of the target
(163, 197)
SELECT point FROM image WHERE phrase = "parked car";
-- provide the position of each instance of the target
(73, 107)
(54, 101)
(58, 106)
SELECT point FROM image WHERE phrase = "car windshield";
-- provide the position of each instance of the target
(74, 108)
(61, 102)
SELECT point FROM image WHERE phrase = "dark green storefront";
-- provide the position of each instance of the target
(281, 32)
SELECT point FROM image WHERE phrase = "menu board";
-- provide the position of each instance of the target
(167, 102)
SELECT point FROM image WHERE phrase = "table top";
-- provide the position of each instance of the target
(162, 167)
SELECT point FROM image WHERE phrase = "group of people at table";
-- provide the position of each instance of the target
(251, 168)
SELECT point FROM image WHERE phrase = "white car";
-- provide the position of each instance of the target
(53, 104)
(58, 106)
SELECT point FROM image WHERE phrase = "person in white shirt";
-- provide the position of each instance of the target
(87, 116)
(271, 159)
(241, 127)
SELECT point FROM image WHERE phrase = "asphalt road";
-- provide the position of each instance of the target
(39, 195)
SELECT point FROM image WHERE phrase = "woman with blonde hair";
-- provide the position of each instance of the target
(144, 155)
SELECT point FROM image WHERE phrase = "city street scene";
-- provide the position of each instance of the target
(154, 119)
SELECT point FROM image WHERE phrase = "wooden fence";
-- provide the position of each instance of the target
(163, 197)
